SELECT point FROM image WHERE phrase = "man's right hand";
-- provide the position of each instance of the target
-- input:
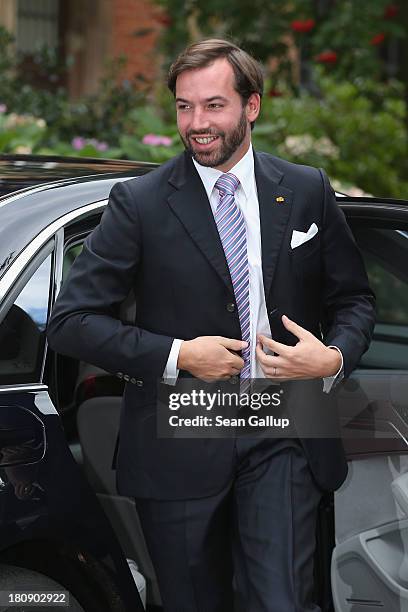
(211, 358)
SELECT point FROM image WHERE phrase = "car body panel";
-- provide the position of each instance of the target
(61, 507)
(23, 171)
(369, 561)
(41, 206)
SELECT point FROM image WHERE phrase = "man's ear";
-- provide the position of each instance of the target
(253, 107)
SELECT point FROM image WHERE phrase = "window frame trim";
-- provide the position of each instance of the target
(50, 241)
(33, 266)
(25, 277)
(30, 250)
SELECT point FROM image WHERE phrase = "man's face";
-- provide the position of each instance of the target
(213, 124)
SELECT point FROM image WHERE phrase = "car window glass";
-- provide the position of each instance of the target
(22, 330)
(391, 292)
(70, 255)
(385, 253)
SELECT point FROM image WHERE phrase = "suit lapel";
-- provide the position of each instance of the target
(190, 204)
(275, 204)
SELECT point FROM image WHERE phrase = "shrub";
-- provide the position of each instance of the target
(343, 131)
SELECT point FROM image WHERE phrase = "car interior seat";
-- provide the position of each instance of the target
(98, 418)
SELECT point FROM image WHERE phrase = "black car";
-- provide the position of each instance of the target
(59, 420)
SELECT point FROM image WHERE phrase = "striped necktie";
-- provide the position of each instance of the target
(232, 230)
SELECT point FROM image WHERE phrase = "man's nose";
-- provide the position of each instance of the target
(199, 120)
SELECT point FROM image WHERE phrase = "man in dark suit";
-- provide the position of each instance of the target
(214, 244)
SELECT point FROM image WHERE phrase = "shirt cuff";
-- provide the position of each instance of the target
(331, 381)
(171, 371)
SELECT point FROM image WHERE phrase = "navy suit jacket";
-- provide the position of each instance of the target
(158, 238)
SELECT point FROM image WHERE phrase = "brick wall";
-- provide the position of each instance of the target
(130, 18)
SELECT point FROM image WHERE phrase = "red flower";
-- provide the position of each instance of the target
(390, 11)
(327, 57)
(303, 26)
(377, 39)
(274, 93)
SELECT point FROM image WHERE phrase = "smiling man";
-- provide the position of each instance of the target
(215, 243)
(214, 128)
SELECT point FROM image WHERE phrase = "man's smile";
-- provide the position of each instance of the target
(203, 140)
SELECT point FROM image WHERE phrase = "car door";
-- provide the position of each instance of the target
(370, 559)
(51, 525)
(86, 395)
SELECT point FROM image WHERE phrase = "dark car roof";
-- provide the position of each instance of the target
(25, 213)
(21, 171)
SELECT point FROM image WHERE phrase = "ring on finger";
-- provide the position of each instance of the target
(274, 371)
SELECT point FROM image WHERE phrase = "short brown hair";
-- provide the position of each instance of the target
(247, 71)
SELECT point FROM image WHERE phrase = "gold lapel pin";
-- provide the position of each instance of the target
(280, 199)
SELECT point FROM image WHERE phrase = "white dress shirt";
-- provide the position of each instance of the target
(246, 197)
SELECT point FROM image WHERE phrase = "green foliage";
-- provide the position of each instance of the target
(257, 24)
(356, 141)
(103, 113)
(20, 134)
(350, 28)
(145, 122)
(353, 126)
(270, 29)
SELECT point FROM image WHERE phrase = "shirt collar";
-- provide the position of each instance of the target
(243, 170)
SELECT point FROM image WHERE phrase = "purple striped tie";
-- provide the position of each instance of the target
(231, 228)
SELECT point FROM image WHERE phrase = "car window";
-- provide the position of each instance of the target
(22, 329)
(391, 292)
(385, 253)
(70, 255)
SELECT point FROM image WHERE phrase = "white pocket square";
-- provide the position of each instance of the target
(299, 238)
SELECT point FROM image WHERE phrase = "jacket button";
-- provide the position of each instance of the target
(231, 307)
(233, 380)
(126, 377)
(119, 374)
(139, 383)
(133, 381)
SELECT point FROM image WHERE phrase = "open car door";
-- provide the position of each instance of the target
(369, 569)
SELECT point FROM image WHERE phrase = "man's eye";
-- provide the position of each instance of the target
(215, 105)
(183, 107)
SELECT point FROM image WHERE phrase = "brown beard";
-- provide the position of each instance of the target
(229, 144)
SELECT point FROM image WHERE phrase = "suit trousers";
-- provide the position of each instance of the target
(249, 548)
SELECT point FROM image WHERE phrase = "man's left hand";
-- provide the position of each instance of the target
(310, 358)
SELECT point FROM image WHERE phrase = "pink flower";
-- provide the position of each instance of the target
(155, 140)
(78, 143)
(102, 146)
(166, 141)
(3, 109)
(151, 139)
